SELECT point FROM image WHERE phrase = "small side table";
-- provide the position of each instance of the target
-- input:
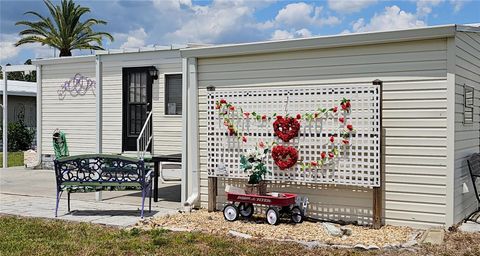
(157, 160)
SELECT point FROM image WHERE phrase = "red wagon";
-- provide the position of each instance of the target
(283, 204)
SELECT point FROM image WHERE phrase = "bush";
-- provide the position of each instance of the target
(20, 137)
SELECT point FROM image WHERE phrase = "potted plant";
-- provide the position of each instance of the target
(253, 161)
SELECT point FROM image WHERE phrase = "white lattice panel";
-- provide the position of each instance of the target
(357, 164)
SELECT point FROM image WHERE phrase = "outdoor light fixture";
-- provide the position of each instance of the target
(153, 72)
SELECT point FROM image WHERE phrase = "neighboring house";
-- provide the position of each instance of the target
(430, 115)
(21, 102)
(133, 83)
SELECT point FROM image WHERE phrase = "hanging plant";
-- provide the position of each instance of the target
(286, 128)
(284, 157)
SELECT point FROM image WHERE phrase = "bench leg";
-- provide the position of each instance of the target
(68, 198)
(143, 201)
(57, 202)
(150, 199)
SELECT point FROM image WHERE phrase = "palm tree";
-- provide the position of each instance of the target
(66, 32)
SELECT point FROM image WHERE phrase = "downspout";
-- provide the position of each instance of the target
(192, 133)
(39, 116)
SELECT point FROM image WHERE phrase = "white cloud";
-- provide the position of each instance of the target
(134, 38)
(349, 6)
(391, 19)
(7, 47)
(284, 34)
(302, 14)
(458, 4)
(8, 51)
(424, 7)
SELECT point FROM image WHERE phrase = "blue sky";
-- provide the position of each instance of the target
(163, 22)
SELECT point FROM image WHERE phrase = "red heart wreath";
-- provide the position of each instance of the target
(284, 157)
(286, 128)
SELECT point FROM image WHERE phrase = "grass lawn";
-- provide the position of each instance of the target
(30, 236)
(14, 159)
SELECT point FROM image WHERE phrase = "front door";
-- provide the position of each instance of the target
(137, 104)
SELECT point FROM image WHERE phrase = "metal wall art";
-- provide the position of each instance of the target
(78, 85)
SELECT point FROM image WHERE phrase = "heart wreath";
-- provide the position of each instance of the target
(286, 128)
(284, 157)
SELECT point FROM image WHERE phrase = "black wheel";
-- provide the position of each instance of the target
(246, 209)
(230, 212)
(273, 217)
(297, 214)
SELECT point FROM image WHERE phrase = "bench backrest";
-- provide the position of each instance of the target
(99, 168)
(474, 164)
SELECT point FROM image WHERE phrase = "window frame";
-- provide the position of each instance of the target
(468, 105)
(165, 93)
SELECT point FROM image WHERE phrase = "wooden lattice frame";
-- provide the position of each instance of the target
(357, 164)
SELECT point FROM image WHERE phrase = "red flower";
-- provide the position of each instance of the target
(341, 119)
(261, 144)
(331, 155)
(323, 155)
(346, 142)
(279, 117)
(315, 115)
(350, 127)
(232, 108)
(314, 163)
(246, 114)
(222, 101)
(347, 104)
(217, 106)
(332, 139)
(299, 116)
(344, 107)
(264, 117)
(244, 139)
(335, 109)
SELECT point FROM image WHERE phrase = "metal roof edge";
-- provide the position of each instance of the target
(467, 28)
(322, 42)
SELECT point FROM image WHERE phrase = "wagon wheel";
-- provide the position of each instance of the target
(230, 212)
(246, 209)
(297, 214)
(273, 217)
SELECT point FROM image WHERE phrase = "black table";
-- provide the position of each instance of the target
(173, 158)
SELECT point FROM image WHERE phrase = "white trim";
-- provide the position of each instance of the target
(185, 173)
(450, 175)
(17, 68)
(98, 95)
(39, 115)
(5, 118)
(322, 42)
(64, 60)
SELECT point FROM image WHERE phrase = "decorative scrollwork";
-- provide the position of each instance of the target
(77, 85)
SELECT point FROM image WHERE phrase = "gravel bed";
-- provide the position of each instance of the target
(204, 221)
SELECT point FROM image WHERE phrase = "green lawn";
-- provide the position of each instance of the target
(14, 159)
(30, 236)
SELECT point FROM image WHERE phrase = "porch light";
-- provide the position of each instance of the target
(153, 72)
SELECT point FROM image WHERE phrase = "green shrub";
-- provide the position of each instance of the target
(20, 137)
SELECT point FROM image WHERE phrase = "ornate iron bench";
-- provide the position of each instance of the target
(474, 168)
(99, 171)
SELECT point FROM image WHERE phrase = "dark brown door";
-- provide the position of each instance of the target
(137, 104)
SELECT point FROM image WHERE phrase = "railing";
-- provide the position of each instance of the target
(145, 137)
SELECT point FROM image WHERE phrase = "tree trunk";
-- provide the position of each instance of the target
(65, 52)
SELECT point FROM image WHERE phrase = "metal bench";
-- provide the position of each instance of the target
(98, 171)
(474, 168)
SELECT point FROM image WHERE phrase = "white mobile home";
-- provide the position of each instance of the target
(103, 101)
(429, 116)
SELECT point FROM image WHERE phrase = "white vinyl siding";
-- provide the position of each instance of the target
(467, 136)
(75, 115)
(414, 118)
(167, 129)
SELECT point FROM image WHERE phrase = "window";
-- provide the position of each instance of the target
(468, 104)
(173, 94)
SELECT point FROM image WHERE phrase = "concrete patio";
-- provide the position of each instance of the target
(31, 193)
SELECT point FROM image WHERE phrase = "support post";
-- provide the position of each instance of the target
(99, 89)
(212, 194)
(377, 191)
(5, 118)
